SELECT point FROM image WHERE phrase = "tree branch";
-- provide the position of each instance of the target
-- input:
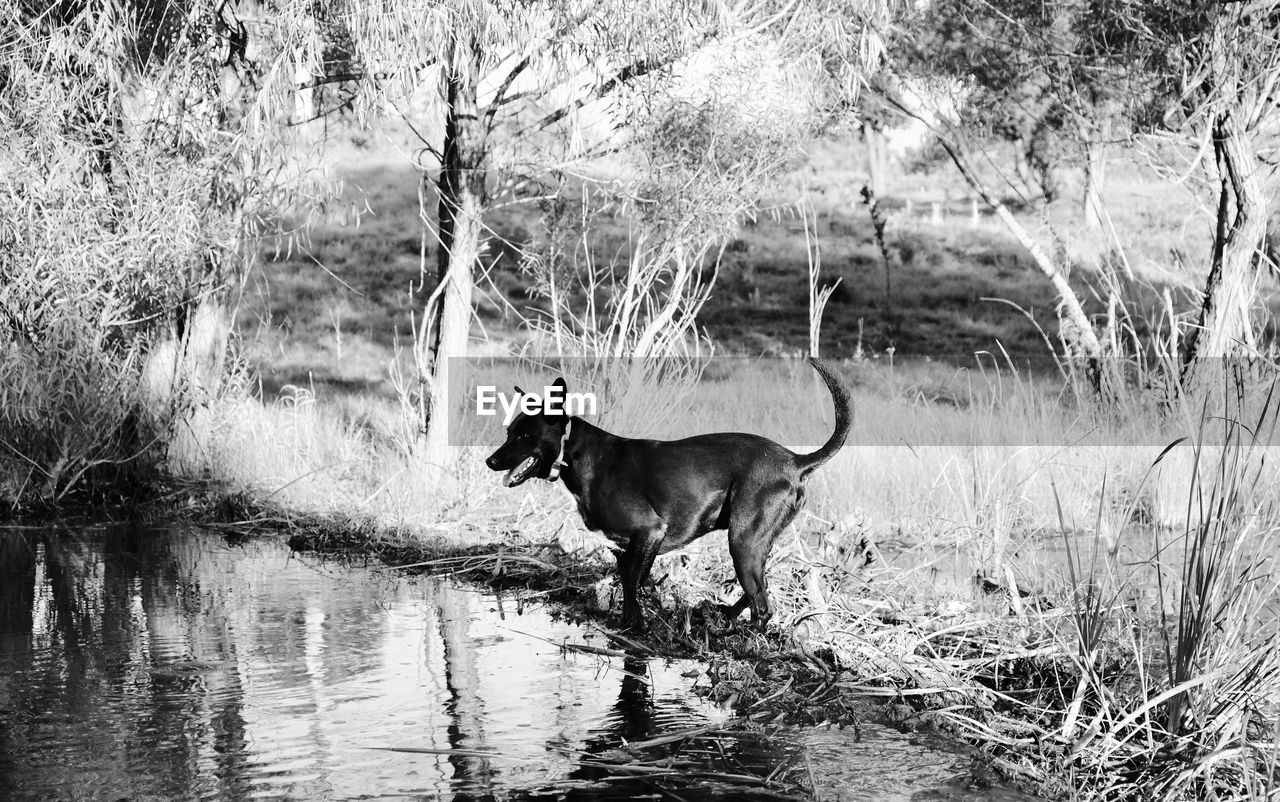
(490, 112)
(346, 77)
(338, 78)
(344, 105)
(632, 71)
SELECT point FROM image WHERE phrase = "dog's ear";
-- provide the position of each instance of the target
(553, 404)
(519, 391)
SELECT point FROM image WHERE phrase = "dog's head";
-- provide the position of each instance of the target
(533, 444)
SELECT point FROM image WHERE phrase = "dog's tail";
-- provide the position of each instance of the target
(844, 419)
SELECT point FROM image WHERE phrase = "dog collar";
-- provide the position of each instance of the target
(559, 464)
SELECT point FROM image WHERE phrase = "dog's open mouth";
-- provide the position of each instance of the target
(521, 472)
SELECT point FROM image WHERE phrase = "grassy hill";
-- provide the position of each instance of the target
(331, 309)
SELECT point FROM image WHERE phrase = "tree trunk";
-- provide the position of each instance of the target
(877, 161)
(461, 190)
(1225, 325)
(1044, 169)
(189, 363)
(1021, 167)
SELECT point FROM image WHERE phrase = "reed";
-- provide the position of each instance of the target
(1174, 693)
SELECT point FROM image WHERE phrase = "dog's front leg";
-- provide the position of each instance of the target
(634, 564)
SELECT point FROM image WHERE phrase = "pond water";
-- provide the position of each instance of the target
(157, 663)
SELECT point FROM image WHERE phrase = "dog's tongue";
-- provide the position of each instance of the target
(517, 473)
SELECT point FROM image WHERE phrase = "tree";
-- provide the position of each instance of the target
(129, 199)
(1075, 329)
(536, 85)
(1200, 77)
(1029, 73)
(1214, 69)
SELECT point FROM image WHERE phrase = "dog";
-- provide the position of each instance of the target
(651, 497)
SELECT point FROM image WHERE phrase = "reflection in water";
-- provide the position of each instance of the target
(638, 715)
(169, 664)
(635, 708)
(472, 773)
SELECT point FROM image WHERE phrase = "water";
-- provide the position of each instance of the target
(168, 663)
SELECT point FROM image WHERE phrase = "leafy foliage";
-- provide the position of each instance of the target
(1042, 75)
(130, 194)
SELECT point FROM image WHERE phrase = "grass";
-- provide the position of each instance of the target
(1049, 580)
(959, 287)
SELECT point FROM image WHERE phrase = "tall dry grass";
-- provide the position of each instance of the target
(1178, 683)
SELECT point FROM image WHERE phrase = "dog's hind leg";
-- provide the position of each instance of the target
(751, 537)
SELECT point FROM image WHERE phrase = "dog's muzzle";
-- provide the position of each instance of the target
(521, 472)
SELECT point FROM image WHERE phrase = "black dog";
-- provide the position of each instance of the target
(654, 496)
